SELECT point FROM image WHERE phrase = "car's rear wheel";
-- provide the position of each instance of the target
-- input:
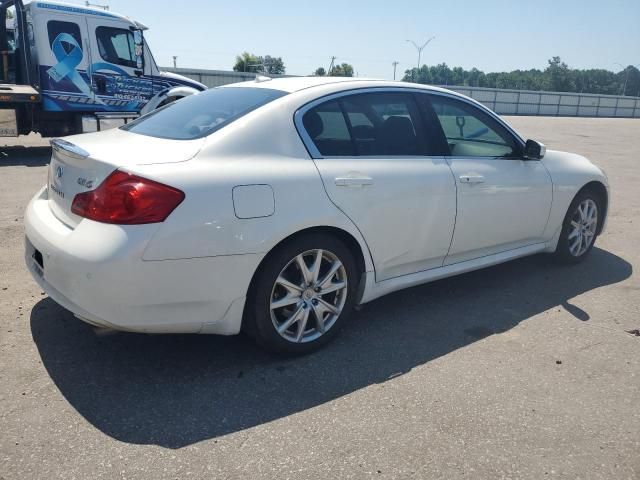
(302, 295)
(580, 227)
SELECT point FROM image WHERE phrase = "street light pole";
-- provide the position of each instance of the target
(419, 48)
(175, 61)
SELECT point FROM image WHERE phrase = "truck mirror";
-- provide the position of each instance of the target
(138, 39)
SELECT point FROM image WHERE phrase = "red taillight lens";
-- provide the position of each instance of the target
(127, 199)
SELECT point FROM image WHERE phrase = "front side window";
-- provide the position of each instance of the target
(117, 45)
(55, 28)
(367, 124)
(202, 114)
(472, 133)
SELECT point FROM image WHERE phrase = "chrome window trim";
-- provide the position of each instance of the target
(315, 153)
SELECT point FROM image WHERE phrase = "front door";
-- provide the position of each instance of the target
(116, 75)
(504, 200)
(373, 156)
(64, 61)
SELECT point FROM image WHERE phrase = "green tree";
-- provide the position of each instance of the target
(247, 62)
(558, 76)
(343, 70)
(320, 72)
(272, 65)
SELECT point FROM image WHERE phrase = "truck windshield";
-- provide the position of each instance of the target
(202, 114)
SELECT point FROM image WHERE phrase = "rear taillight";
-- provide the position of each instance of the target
(127, 199)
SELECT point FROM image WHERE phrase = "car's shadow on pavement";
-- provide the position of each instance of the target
(35, 156)
(176, 390)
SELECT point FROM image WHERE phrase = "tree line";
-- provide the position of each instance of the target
(249, 62)
(557, 77)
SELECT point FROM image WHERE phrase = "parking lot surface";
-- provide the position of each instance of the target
(524, 370)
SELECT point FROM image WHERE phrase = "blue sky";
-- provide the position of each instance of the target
(493, 35)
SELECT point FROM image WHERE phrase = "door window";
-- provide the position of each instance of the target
(117, 45)
(328, 129)
(56, 27)
(367, 124)
(472, 133)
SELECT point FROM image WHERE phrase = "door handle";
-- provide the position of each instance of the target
(471, 179)
(353, 181)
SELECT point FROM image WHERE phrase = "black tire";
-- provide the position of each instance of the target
(258, 322)
(563, 252)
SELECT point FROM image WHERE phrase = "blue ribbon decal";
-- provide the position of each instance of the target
(67, 62)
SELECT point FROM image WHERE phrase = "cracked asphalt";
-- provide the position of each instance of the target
(521, 371)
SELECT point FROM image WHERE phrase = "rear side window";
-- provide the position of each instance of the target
(200, 115)
(56, 27)
(385, 124)
(328, 130)
(367, 124)
(116, 45)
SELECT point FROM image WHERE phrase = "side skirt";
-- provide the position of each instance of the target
(375, 290)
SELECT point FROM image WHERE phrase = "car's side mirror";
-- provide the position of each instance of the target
(534, 150)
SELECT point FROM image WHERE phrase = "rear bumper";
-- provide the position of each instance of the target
(96, 271)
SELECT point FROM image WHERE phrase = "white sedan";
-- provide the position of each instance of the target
(275, 206)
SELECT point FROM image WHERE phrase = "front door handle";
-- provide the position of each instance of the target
(471, 179)
(353, 181)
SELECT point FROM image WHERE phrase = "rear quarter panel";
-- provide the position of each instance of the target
(262, 148)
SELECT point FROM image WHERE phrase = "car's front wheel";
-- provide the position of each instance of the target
(580, 227)
(302, 295)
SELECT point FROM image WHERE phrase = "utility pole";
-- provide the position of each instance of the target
(395, 64)
(333, 59)
(175, 61)
(419, 48)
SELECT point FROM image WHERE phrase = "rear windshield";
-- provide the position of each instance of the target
(202, 114)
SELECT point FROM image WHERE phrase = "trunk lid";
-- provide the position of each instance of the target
(80, 163)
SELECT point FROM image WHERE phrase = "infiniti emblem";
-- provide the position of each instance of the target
(59, 171)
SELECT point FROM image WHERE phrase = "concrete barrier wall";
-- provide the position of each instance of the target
(503, 102)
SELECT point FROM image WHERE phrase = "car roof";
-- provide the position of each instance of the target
(295, 84)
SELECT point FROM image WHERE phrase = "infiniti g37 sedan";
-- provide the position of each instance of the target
(276, 206)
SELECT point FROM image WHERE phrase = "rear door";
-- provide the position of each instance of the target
(379, 168)
(504, 200)
(116, 75)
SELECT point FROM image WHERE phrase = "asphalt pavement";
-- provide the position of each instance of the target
(525, 370)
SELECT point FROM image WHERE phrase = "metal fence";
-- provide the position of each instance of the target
(502, 101)
(557, 104)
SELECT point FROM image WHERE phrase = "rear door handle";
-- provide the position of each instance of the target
(471, 179)
(353, 181)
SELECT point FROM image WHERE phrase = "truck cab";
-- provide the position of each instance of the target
(70, 69)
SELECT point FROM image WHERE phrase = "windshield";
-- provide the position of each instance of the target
(200, 115)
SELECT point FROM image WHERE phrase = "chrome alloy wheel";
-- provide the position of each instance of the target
(308, 296)
(584, 223)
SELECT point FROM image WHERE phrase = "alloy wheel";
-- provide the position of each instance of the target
(584, 223)
(308, 296)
